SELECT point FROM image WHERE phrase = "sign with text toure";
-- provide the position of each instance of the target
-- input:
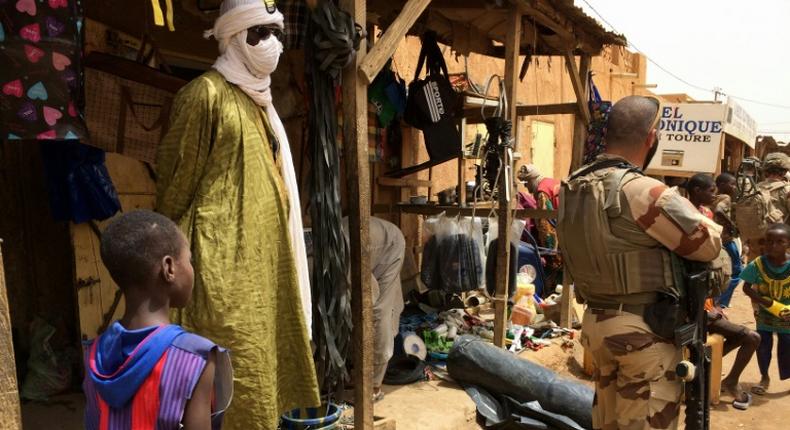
(690, 138)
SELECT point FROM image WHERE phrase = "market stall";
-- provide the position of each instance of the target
(514, 30)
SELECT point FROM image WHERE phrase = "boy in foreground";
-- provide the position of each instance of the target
(143, 372)
(767, 283)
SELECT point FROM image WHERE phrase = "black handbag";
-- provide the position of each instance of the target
(432, 103)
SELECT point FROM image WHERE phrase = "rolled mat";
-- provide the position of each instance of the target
(473, 361)
(413, 345)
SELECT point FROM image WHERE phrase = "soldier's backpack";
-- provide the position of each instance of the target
(755, 211)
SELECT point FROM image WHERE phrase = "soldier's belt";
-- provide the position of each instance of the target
(615, 308)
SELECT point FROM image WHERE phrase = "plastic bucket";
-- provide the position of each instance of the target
(323, 418)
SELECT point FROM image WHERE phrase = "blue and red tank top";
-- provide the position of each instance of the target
(142, 379)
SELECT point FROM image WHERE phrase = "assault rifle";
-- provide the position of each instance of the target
(696, 370)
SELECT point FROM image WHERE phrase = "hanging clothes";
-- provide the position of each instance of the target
(40, 77)
(596, 131)
(79, 185)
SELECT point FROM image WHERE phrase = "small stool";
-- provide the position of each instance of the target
(716, 344)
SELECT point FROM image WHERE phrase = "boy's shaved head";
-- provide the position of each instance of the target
(779, 228)
(135, 243)
(700, 180)
(725, 178)
(630, 121)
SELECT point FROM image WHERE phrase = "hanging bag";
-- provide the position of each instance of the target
(432, 103)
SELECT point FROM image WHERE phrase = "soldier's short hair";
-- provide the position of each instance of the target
(630, 120)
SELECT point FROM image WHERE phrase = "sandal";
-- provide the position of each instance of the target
(743, 405)
(761, 388)
(741, 399)
(378, 396)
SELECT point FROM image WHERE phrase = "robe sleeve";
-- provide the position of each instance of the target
(182, 154)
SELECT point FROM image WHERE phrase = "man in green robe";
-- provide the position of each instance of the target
(225, 175)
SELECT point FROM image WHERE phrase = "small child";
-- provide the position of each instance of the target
(143, 372)
(767, 283)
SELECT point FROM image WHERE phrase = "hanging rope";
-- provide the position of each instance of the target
(332, 40)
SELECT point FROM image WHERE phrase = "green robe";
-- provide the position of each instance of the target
(218, 180)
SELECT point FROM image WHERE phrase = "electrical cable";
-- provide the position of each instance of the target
(670, 73)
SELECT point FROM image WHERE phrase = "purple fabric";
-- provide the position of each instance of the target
(91, 408)
(179, 378)
(526, 201)
(121, 418)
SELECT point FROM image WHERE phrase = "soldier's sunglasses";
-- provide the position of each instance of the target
(263, 32)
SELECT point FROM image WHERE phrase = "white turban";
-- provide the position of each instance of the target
(250, 68)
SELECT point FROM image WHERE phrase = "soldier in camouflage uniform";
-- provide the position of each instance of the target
(775, 168)
(617, 229)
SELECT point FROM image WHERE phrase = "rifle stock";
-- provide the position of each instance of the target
(696, 370)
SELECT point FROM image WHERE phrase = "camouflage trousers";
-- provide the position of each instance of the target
(635, 382)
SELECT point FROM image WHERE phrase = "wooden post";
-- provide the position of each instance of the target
(382, 51)
(512, 47)
(580, 87)
(10, 414)
(355, 132)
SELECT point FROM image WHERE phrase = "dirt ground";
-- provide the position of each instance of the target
(441, 405)
(768, 411)
(763, 413)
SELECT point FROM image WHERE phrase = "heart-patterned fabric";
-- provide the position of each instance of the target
(41, 77)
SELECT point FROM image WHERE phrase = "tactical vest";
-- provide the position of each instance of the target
(599, 262)
(755, 211)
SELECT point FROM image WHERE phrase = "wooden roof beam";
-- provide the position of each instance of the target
(473, 116)
(578, 87)
(527, 8)
(382, 51)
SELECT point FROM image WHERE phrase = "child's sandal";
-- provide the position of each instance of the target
(761, 388)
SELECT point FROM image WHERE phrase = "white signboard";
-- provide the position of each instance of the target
(740, 124)
(690, 139)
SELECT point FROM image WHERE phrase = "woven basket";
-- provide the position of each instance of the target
(127, 105)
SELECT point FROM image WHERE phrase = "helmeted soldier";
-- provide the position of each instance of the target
(618, 230)
(768, 204)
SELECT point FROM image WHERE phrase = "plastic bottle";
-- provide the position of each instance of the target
(524, 287)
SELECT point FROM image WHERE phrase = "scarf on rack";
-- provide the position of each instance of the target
(250, 68)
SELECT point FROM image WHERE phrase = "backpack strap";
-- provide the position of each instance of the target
(431, 54)
(600, 165)
(615, 183)
(421, 61)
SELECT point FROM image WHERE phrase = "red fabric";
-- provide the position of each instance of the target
(705, 211)
(104, 413)
(145, 406)
(551, 187)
